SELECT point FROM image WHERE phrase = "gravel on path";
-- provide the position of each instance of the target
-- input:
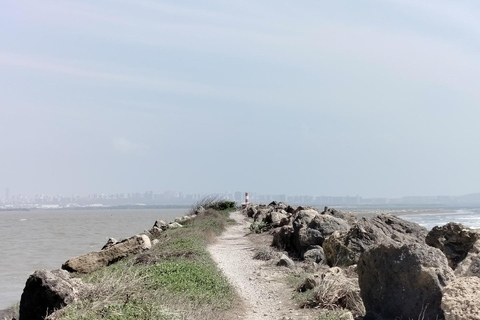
(260, 284)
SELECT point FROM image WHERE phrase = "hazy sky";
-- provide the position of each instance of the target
(374, 97)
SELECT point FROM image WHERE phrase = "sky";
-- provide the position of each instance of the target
(377, 98)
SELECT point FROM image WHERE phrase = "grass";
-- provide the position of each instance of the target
(176, 279)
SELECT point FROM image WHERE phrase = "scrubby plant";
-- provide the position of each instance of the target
(213, 202)
(259, 227)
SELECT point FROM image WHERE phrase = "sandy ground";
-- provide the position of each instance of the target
(259, 283)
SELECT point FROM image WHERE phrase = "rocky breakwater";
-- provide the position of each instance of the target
(47, 291)
(396, 269)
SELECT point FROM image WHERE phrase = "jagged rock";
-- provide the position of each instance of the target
(335, 288)
(314, 254)
(110, 242)
(261, 214)
(460, 299)
(403, 281)
(311, 228)
(277, 219)
(46, 291)
(286, 262)
(162, 225)
(350, 218)
(155, 242)
(95, 260)
(344, 248)
(470, 266)
(290, 209)
(282, 238)
(454, 240)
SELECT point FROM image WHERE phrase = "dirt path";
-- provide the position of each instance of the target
(259, 283)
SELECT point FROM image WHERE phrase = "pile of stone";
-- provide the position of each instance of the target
(47, 291)
(402, 271)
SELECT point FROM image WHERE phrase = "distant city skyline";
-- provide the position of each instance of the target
(180, 198)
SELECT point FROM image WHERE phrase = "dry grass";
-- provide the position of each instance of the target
(266, 254)
(176, 279)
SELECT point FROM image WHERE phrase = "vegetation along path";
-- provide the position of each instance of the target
(262, 287)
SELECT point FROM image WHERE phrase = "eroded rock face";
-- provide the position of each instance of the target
(461, 299)
(344, 248)
(47, 291)
(311, 228)
(95, 260)
(470, 266)
(403, 281)
(282, 238)
(454, 240)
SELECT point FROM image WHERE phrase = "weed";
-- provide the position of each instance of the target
(259, 227)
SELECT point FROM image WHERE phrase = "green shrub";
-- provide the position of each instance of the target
(259, 227)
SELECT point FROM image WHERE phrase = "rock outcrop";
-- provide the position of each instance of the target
(344, 248)
(461, 299)
(47, 291)
(311, 228)
(403, 281)
(95, 260)
(470, 266)
(454, 240)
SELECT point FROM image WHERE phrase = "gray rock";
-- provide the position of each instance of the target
(95, 260)
(277, 219)
(454, 240)
(344, 248)
(282, 238)
(311, 228)
(286, 262)
(47, 291)
(470, 266)
(314, 255)
(403, 281)
(162, 225)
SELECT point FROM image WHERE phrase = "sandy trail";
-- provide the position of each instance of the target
(260, 284)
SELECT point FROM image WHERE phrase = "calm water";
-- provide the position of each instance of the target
(45, 239)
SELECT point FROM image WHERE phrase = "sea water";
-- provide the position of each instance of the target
(45, 239)
(468, 217)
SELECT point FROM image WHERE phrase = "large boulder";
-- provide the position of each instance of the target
(470, 266)
(311, 228)
(344, 248)
(282, 238)
(460, 299)
(454, 240)
(47, 291)
(277, 219)
(95, 260)
(403, 281)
